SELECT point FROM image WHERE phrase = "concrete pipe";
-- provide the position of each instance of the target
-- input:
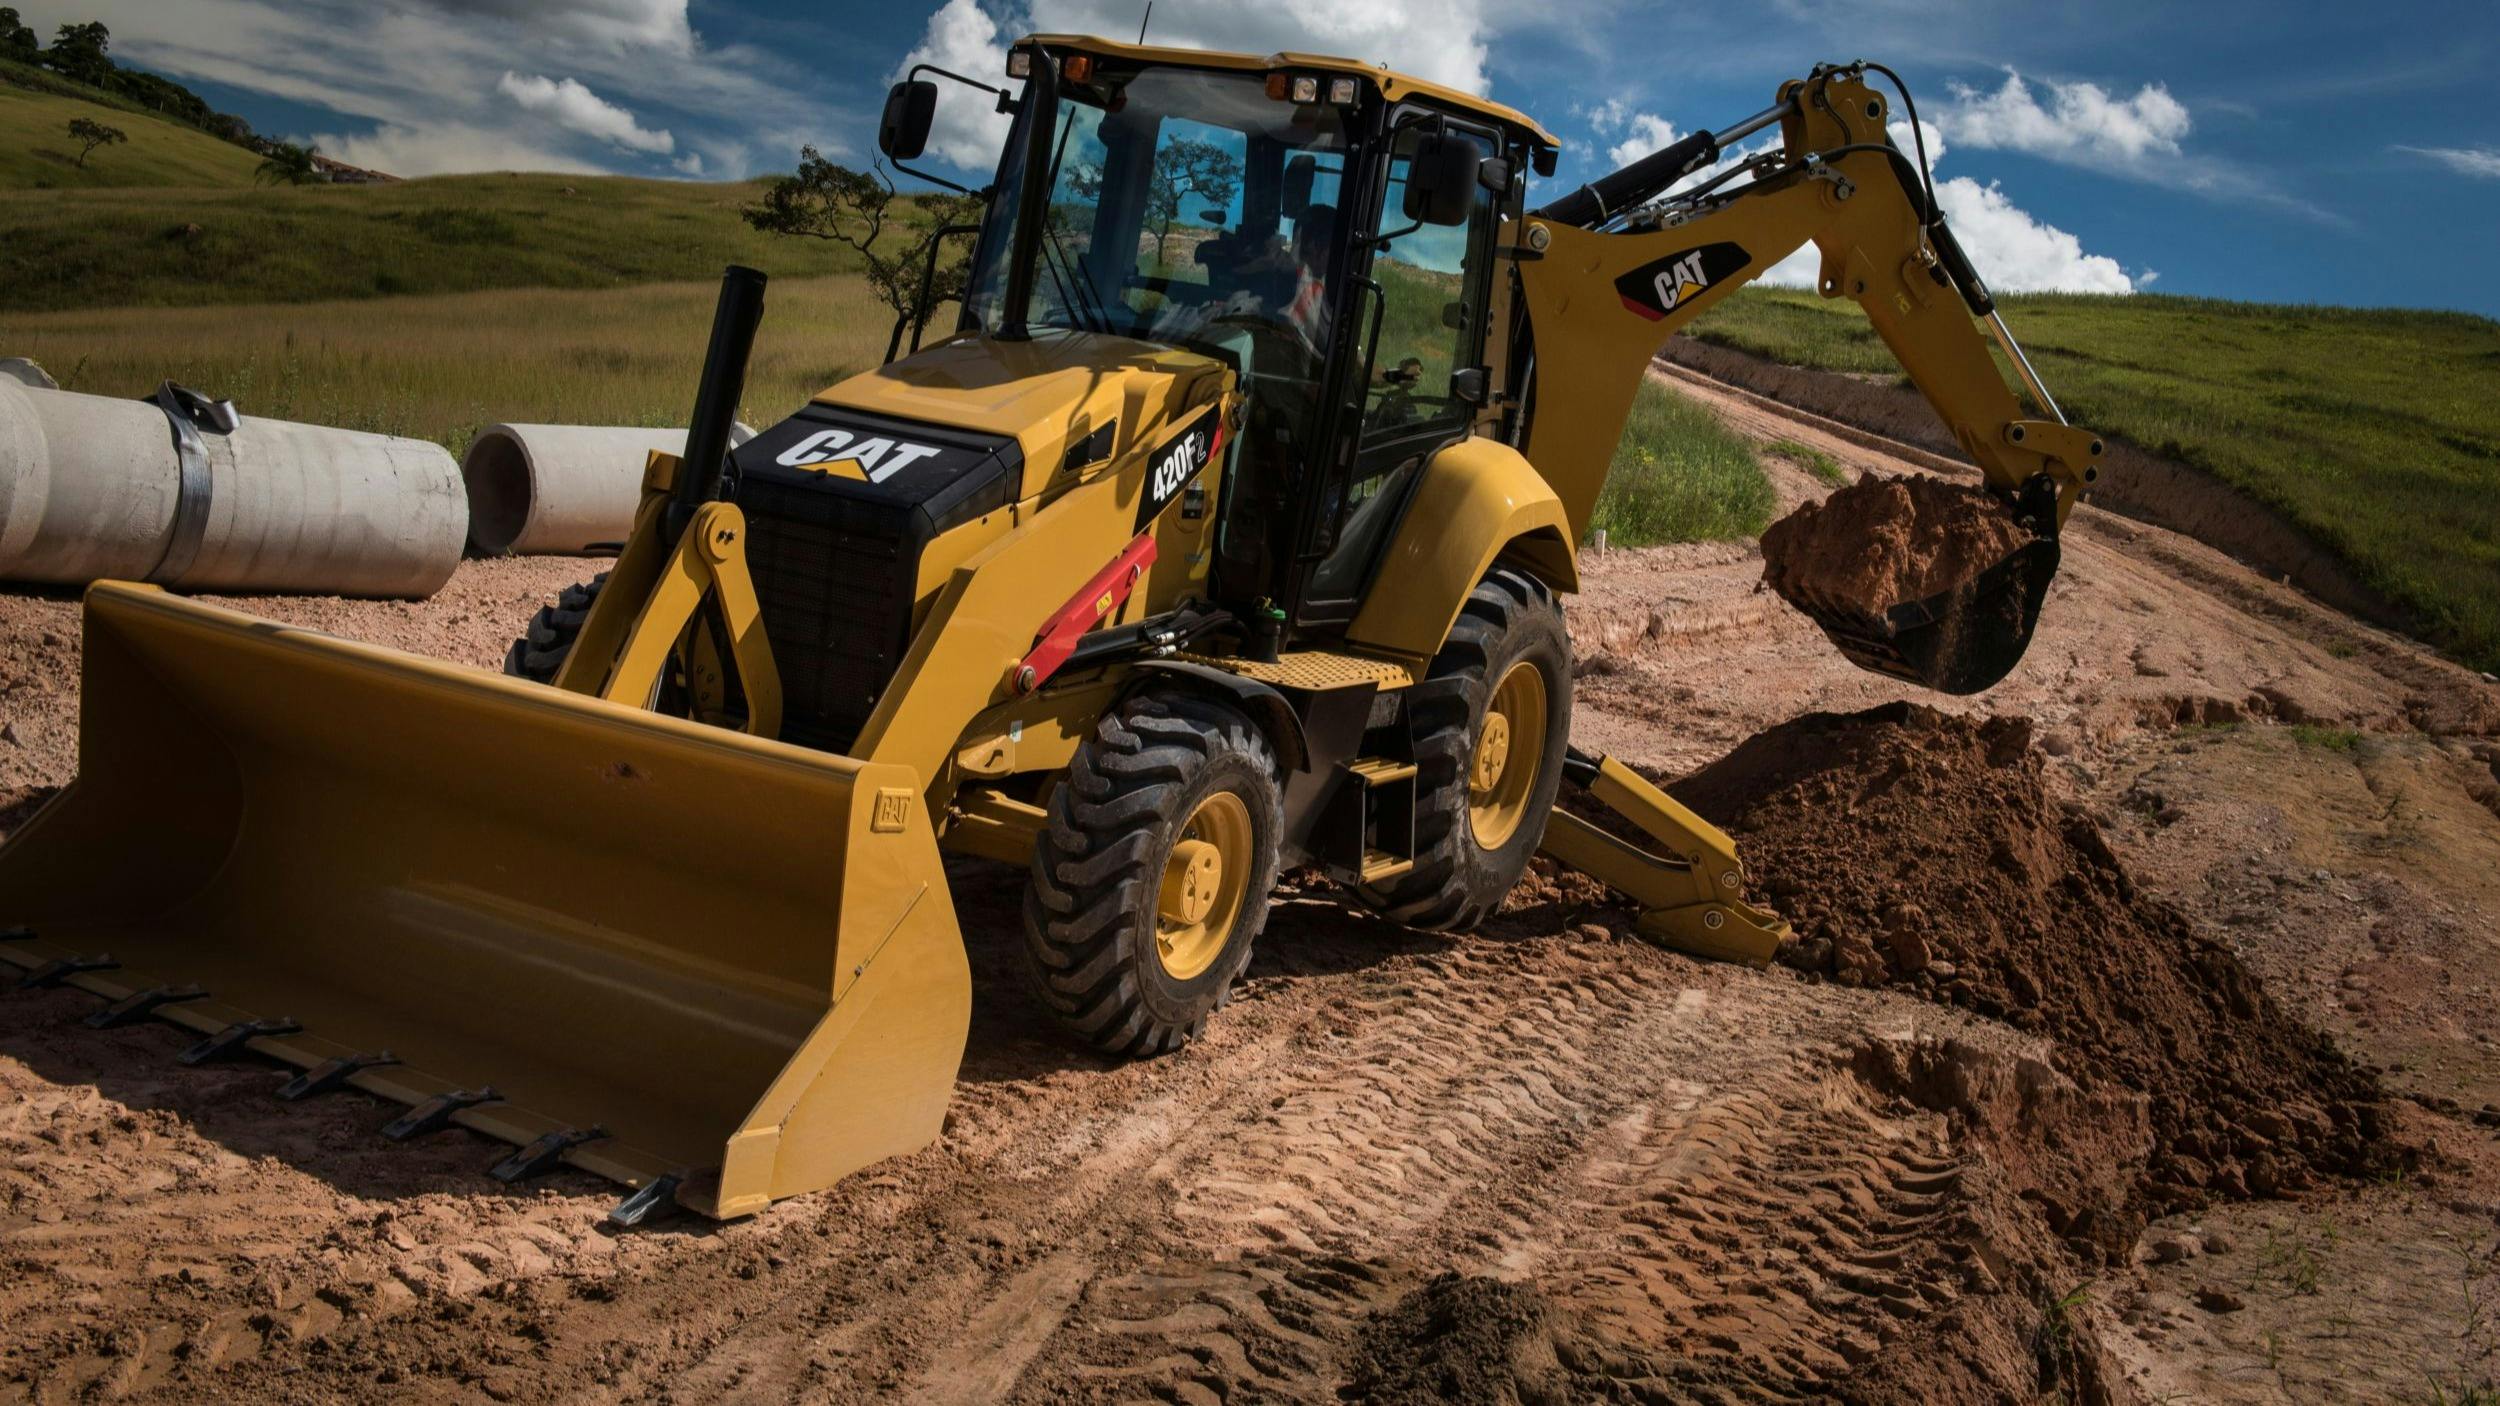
(557, 490)
(182, 492)
(25, 372)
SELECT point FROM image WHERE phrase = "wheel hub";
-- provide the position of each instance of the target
(1503, 776)
(1192, 878)
(1492, 755)
(1206, 879)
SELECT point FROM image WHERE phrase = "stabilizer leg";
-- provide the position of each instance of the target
(1690, 895)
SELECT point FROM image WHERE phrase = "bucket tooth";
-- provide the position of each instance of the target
(332, 1074)
(235, 1039)
(141, 1005)
(53, 973)
(434, 1114)
(545, 1154)
(648, 1202)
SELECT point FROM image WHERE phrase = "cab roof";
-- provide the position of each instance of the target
(1393, 84)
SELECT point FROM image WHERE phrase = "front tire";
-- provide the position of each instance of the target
(1151, 881)
(1492, 720)
(539, 654)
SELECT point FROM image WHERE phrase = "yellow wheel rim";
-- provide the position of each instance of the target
(1205, 879)
(1508, 756)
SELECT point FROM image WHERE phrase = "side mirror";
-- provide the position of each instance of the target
(1494, 174)
(1441, 178)
(1543, 160)
(910, 109)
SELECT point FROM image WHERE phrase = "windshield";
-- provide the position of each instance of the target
(1185, 206)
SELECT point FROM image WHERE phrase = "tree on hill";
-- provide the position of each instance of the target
(1183, 169)
(832, 202)
(289, 165)
(90, 134)
(77, 53)
(16, 40)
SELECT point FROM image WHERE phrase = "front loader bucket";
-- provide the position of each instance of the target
(695, 961)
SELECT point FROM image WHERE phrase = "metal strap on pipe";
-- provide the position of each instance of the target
(186, 410)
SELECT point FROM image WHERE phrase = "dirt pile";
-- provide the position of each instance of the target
(1915, 849)
(1882, 541)
(1460, 1338)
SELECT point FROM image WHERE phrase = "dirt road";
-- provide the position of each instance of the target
(1541, 1162)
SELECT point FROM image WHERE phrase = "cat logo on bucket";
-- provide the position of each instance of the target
(842, 454)
(1661, 286)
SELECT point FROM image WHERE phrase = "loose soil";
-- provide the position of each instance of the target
(1544, 1161)
(1912, 848)
(1885, 540)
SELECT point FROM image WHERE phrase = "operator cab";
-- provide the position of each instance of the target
(1324, 228)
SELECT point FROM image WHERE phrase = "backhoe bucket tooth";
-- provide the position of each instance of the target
(736, 956)
(1958, 641)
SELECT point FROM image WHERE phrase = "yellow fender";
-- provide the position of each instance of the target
(1480, 502)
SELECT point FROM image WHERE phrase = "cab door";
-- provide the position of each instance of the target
(1418, 324)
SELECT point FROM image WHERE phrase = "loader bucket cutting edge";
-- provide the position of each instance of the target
(724, 951)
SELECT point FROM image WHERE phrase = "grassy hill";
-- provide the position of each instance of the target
(449, 234)
(36, 152)
(442, 367)
(2375, 432)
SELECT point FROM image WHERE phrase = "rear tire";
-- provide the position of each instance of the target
(540, 651)
(1478, 816)
(1151, 880)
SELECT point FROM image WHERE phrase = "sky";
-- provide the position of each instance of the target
(2280, 152)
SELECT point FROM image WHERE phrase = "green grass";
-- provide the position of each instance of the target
(1812, 460)
(1680, 476)
(165, 247)
(2375, 432)
(37, 153)
(442, 367)
(2325, 739)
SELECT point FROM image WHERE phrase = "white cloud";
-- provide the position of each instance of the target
(2081, 124)
(2016, 253)
(962, 38)
(2140, 138)
(421, 78)
(1447, 41)
(438, 149)
(568, 104)
(619, 24)
(1645, 132)
(690, 164)
(2465, 161)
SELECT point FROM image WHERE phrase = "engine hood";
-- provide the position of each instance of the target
(1070, 400)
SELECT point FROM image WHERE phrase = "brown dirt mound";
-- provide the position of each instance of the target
(1882, 541)
(1918, 849)
(1459, 1338)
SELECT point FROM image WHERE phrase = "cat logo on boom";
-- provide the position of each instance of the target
(1661, 286)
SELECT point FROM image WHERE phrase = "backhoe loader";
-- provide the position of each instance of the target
(1201, 547)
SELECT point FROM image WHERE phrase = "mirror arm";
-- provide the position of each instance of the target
(933, 180)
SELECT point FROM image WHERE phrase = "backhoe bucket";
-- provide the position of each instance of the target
(1958, 641)
(697, 962)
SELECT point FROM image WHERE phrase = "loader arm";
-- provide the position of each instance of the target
(1606, 278)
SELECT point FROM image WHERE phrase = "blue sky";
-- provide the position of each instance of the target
(2341, 154)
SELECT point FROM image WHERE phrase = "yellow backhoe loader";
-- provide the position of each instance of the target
(1225, 532)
